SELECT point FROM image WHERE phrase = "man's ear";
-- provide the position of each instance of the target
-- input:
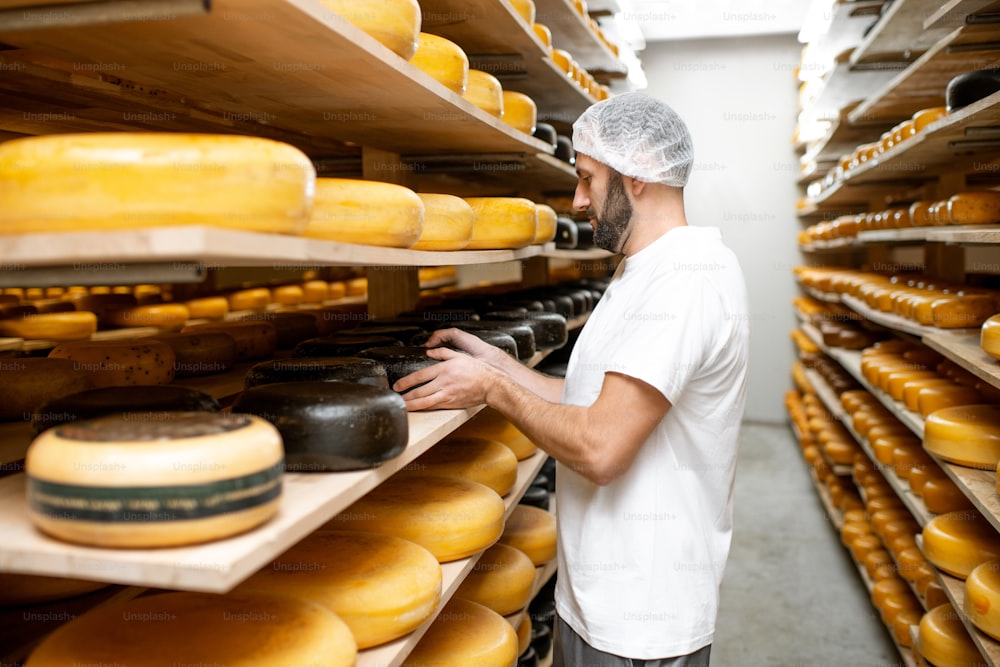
(636, 186)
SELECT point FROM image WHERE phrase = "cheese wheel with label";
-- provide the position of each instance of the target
(982, 597)
(452, 518)
(519, 111)
(448, 223)
(959, 541)
(974, 208)
(351, 210)
(502, 222)
(443, 60)
(50, 326)
(501, 580)
(533, 531)
(393, 23)
(968, 435)
(113, 363)
(477, 459)
(464, 634)
(484, 91)
(943, 640)
(381, 586)
(171, 629)
(130, 180)
(27, 383)
(170, 479)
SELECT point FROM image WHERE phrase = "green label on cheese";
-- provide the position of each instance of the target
(154, 504)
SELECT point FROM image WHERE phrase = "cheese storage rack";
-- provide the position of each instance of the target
(929, 42)
(292, 71)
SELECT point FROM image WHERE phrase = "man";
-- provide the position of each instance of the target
(645, 425)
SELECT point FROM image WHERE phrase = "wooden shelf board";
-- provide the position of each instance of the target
(965, 350)
(320, 75)
(572, 32)
(843, 137)
(971, 235)
(952, 13)
(581, 254)
(954, 588)
(829, 399)
(855, 194)
(902, 235)
(900, 31)
(978, 485)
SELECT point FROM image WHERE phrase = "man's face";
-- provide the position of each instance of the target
(600, 191)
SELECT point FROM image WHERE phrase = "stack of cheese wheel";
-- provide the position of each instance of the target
(959, 541)
(200, 628)
(502, 222)
(967, 435)
(393, 23)
(136, 180)
(485, 91)
(161, 492)
(452, 518)
(481, 460)
(943, 640)
(466, 633)
(382, 587)
(489, 423)
(448, 223)
(365, 212)
(442, 60)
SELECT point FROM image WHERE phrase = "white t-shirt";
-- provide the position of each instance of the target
(641, 559)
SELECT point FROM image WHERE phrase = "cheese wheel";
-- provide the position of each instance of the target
(163, 315)
(393, 23)
(173, 629)
(502, 580)
(176, 478)
(519, 111)
(382, 587)
(545, 227)
(944, 642)
(968, 435)
(898, 602)
(525, 9)
(982, 597)
(287, 295)
(448, 223)
(925, 117)
(290, 327)
(841, 452)
(901, 627)
(197, 354)
(331, 426)
(209, 307)
(255, 298)
(544, 34)
(452, 518)
(956, 311)
(315, 291)
(399, 361)
(895, 382)
(484, 91)
(442, 60)
(854, 530)
(938, 397)
(974, 208)
(912, 389)
(879, 565)
(318, 369)
(533, 531)
(113, 363)
(465, 633)
(22, 589)
(957, 542)
(50, 326)
(989, 338)
(254, 339)
(488, 462)
(489, 423)
(365, 212)
(524, 634)
(502, 222)
(27, 383)
(145, 179)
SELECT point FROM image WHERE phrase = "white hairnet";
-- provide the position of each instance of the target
(638, 136)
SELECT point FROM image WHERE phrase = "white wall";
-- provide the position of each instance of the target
(738, 97)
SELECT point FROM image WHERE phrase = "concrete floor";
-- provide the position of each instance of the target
(792, 597)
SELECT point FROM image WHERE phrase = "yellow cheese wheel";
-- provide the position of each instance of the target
(315, 291)
(905, 620)
(442, 60)
(519, 111)
(957, 542)
(26, 384)
(545, 221)
(879, 565)
(913, 387)
(864, 545)
(254, 339)
(502, 222)
(956, 311)
(853, 530)
(482, 460)
(898, 602)
(501, 580)
(939, 397)
(563, 60)
(989, 336)
(173, 629)
(22, 589)
(254, 298)
(544, 34)
(982, 597)
(452, 518)
(896, 381)
(533, 531)
(169, 316)
(525, 9)
(841, 452)
(174, 478)
(112, 363)
(484, 90)
(974, 208)
(465, 633)
(524, 634)
(133, 180)
(208, 308)
(448, 223)
(381, 586)
(287, 295)
(968, 435)
(925, 117)
(393, 23)
(50, 326)
(944, 642)
(365, 212)
(489, 423)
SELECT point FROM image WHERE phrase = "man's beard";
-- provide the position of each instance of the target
(610, 227)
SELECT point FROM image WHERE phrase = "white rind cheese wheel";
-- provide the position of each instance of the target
(989, 336)
(381, 586)
(181, 478)
(959, 541)
(452, 518)
(519, 111)
(366, 212)
(982, 597)
(114, 363)
(393, 23)
(448, 223)
(502, 580)
(466, 634)
(546, 221)
(484, 90)
(50, 326)
(533, 531)
(968, 435)
(173, 629)
(502, 222)
(442, 60)
(125, 180)
(476, 459)
(943, 640)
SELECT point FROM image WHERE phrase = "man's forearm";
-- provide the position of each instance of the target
(548, 387)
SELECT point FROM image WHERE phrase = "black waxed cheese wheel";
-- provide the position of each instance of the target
(582, 301)
(399, 361)
(550, 329)
(971, 87)
(142, 400)
(292, 328)
(563, 305)
(547, 133)
(564, 149)
(584, 235)
(566, 233)
(523, 335)
(318, 369)
(495, 338)
(536, 496)
(339, 345)
(331, 426)
(403, 333)
(534, 305)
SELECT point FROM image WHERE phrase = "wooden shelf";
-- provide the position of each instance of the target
(965, 350)
(953, 13)
(895, 322)
(581, 254)
(832, 404)
(319, 77)
(971, 235)
(512, 175)
(900, 34)
(954, 588)
(571, 31)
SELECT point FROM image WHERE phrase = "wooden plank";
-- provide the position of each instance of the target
(952, 13)
(571, 31)
(320, 75)
(964, 349)
(954, 588)
(899, 33)
(978, 485)
(978, 235)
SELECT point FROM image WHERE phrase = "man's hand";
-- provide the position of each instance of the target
(470, 344)
(459, 381)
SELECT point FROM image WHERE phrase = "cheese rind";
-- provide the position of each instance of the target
(466, 633)
(501, 580)
(442, 60)
(477, 459)
(959, 541)
(943, 639)
(484, 91)
(112, 363)
(982, 597)
(533, 531)
(448, 223)
(393, 23)
(365, 212)
(502, 222)
(26, 384)
(519, 111)
(968, 435)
